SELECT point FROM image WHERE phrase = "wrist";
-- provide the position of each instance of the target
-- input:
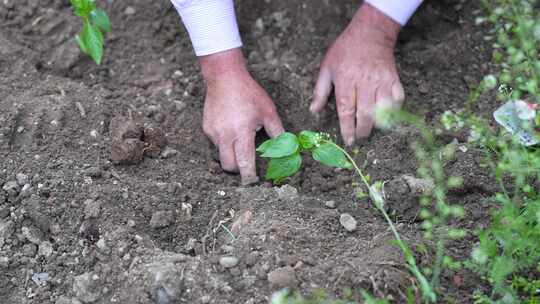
(369, 18)
(222, 64)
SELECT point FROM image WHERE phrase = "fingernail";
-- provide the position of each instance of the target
(397, 92)
(249, 180)
(349, 141)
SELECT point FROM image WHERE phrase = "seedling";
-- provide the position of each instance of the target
(284, 153)
(95, 24)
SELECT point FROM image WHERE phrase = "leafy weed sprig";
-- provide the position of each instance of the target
(95, 23)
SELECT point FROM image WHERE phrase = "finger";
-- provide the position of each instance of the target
(365, 107)
(398, 93)
(226, 156)
(346, 108)
(323, 88)
(244, 148)
(273, 126)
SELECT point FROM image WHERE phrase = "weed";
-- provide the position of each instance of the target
(95, 23)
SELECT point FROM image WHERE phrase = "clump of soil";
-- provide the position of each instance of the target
(176, 228)
(131, 141)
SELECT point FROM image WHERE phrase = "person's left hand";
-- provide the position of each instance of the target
(360, 66)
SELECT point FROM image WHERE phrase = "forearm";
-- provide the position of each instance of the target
(211, 25)
(398, 10)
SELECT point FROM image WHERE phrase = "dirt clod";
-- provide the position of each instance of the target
(283, 277)
(155, 141)
(86, 287)
(129, 151)
(161, 219)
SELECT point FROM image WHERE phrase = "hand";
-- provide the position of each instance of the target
(235, 108)
(361, 67)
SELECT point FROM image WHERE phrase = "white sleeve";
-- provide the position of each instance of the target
(211, 25)
(399, 10)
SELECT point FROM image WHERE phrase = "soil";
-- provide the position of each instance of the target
(166, 225)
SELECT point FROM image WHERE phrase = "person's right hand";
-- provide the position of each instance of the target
(235, 108)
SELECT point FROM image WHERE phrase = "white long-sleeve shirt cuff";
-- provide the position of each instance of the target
(211, 25)
(399, 10)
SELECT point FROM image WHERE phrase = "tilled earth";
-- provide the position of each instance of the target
(81, 221)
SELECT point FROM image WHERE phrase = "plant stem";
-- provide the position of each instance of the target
(427, 291)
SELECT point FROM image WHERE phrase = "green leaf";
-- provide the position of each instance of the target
(81, 44)
(100, 19)
(280, 168)
(329, 155)
(93, 40)
(283, 145)
(308, 139)
(82, 8)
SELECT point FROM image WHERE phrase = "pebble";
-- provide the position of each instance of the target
(348, 222)
(93, 172)
(129, 10)
(283, 277)
(6, 229)
(330, 204)
(423, 88)
(45, 249)
(287, 192)
(4, 262)
(32, 234)
(12, 188)
(168, 152)
(92, 208)
(161, 219)
(228, 261)
(21, 178)
(86, 288)
(102, 246)
(29, 250)
(179, 105)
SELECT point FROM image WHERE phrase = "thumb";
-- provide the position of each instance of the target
(322, 91)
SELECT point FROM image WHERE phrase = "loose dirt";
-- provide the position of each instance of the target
(112, 194)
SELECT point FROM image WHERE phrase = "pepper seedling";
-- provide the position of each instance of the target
(284, 153)
(95, 23)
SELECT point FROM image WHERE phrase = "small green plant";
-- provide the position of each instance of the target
(95, 24)
(319, 296)
(284, 153)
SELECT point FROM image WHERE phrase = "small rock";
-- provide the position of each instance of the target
(423, 88)
(32, 234)
(155, 140)
(86, 288)
(12, 188)
(228, 261)
(348, 222)
(179, 105)
(29, 250)
(102, 246)
(283, 277)
(129, 10)
(161, 219)
(6, 229)
(45, 249)
(92, 208)
(26, 191)
(330, 204)
(168, 152)
(22, 179)
(40, 278)
(63, 300)
(4, 262)
(93, 172)
(287, 192)
(131, 223)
